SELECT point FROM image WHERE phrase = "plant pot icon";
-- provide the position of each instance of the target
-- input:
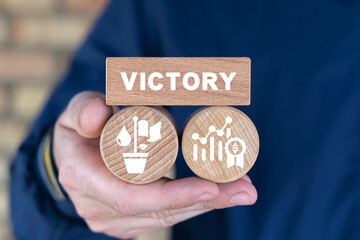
(135, 162)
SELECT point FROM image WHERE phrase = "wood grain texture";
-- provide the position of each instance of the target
(239, 93)
(216, 168)
(161, 154)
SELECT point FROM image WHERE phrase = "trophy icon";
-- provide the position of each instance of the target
(135, 161)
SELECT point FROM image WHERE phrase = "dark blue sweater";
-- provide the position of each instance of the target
(305, 103)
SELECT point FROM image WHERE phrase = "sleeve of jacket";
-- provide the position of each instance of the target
(35, 214)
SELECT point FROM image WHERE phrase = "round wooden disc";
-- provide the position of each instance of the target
(220, 144)
(139, 144)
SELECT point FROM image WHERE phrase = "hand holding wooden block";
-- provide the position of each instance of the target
(219, 143)
(139, 144)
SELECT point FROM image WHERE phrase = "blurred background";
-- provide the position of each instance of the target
(37, 38)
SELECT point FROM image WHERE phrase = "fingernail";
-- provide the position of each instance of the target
(240, 199)
(206, 197)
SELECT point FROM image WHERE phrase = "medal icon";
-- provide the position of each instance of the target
(233, 152)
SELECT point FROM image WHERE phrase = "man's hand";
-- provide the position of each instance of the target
(119, 209)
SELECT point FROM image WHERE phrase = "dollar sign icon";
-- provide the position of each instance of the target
(235, 148)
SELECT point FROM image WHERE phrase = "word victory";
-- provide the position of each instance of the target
(190, 81)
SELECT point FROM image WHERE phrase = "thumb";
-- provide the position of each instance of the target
(87, 114)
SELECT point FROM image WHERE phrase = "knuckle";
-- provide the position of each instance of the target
(163, 218)
(78, 98)
(109, 229)
(87, 213)
(167, 221)
(123, 206)
(209, 205)
(96, 227)
(82, 212)
(172, 205)
(66, 177)
(156, 215)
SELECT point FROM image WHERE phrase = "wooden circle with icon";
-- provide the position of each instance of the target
(139, 144)
(220, 144)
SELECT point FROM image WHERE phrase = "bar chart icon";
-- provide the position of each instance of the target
(231, 146)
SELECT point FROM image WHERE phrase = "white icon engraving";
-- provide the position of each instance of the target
(231, 147)
(135, 161)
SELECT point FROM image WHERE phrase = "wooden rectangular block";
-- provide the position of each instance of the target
(177, 81)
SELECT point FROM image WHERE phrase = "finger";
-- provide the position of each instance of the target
(87, 114)
(131, 199)
(145, 222)
(246, 178)
(133, 226)
(240, 192)
(162, 195)
(123, 227)
(91, 176)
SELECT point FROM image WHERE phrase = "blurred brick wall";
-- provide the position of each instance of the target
(37, 38)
